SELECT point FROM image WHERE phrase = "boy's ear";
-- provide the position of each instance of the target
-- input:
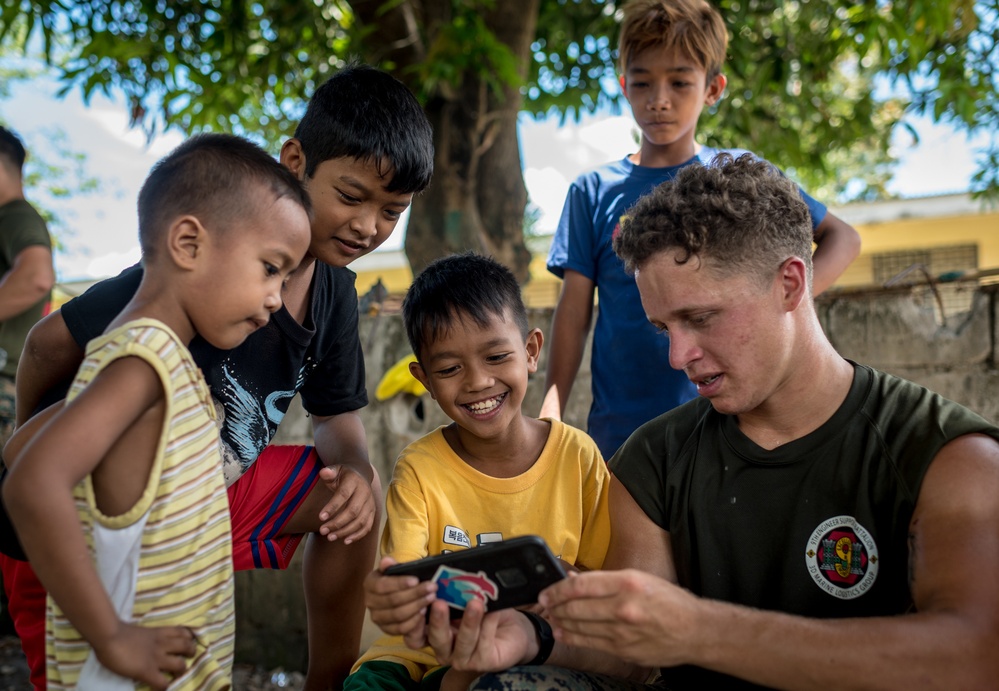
(416, 369)
(293, 158)
(716, 87)
(534, 341)
(624, 85)
(185, 240)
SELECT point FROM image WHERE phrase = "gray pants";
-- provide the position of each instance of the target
(548, 678)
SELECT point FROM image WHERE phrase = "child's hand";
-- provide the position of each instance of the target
(398, 604)
(151, 655)
(350, 514)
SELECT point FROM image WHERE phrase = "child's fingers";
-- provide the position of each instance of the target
(157, 681)
(330, 473)
(440, 634)
(357, 528)
(334, 506)
(389, 621)
(352, 496)
(174, 645)
(400, 606)
(376, 583)
(178, 640)
(404, 627)
(174, 665)
(416, 637)
(352, 520)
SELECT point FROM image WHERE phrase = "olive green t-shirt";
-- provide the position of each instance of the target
(20, 227)
(817, 527)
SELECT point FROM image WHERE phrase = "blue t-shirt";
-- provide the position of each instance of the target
(632, 379)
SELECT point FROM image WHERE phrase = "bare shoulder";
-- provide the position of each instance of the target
(132, 378)
(955, 528)
(964, 473)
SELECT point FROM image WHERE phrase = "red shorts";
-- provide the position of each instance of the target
(261, 502)
(26, 604)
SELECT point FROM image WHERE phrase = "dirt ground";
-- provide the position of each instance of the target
(13, 669)
(14, 673)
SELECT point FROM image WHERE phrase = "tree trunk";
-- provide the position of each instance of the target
(477, 198)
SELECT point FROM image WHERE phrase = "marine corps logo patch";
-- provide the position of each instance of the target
(841, 557)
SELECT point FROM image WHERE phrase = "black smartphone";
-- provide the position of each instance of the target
(507, 573)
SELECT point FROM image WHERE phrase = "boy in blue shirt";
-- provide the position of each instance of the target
(671, 54)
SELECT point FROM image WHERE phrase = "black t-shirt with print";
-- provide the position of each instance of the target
(254, 383)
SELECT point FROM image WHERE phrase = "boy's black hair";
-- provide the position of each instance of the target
(366, 114)
(12, 149)
(216, 178)
(456, 287)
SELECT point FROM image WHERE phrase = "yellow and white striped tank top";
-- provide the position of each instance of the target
(168, 560)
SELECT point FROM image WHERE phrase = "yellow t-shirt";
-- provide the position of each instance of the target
(437, 503)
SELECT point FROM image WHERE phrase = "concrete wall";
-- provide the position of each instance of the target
(894, 331)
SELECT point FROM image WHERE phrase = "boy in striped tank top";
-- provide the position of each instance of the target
(121, 505)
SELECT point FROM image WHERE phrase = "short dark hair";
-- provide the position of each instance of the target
(366, 114)
(215, 177)
(12, 149)
(456, 286)
(732, 214)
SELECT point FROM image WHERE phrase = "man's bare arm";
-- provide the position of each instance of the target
(29, 279)
(50, 358)
(948, 643)
(638, 544)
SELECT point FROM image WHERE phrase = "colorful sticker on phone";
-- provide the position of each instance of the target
(458, 588)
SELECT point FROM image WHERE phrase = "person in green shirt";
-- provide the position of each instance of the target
(26, 272)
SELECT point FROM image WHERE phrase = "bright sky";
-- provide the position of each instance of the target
(100, 236)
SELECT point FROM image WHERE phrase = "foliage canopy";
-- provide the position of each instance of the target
(814, 85)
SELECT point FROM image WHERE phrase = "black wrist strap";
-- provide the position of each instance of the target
(546, 640)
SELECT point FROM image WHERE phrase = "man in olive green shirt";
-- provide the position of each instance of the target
(26, 273)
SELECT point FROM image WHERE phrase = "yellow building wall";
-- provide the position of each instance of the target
(924, 233)
(395, 279)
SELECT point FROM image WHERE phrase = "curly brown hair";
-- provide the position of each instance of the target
(734, 215)
(692, 26)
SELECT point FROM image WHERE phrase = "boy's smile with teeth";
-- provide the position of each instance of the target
(485, 406)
